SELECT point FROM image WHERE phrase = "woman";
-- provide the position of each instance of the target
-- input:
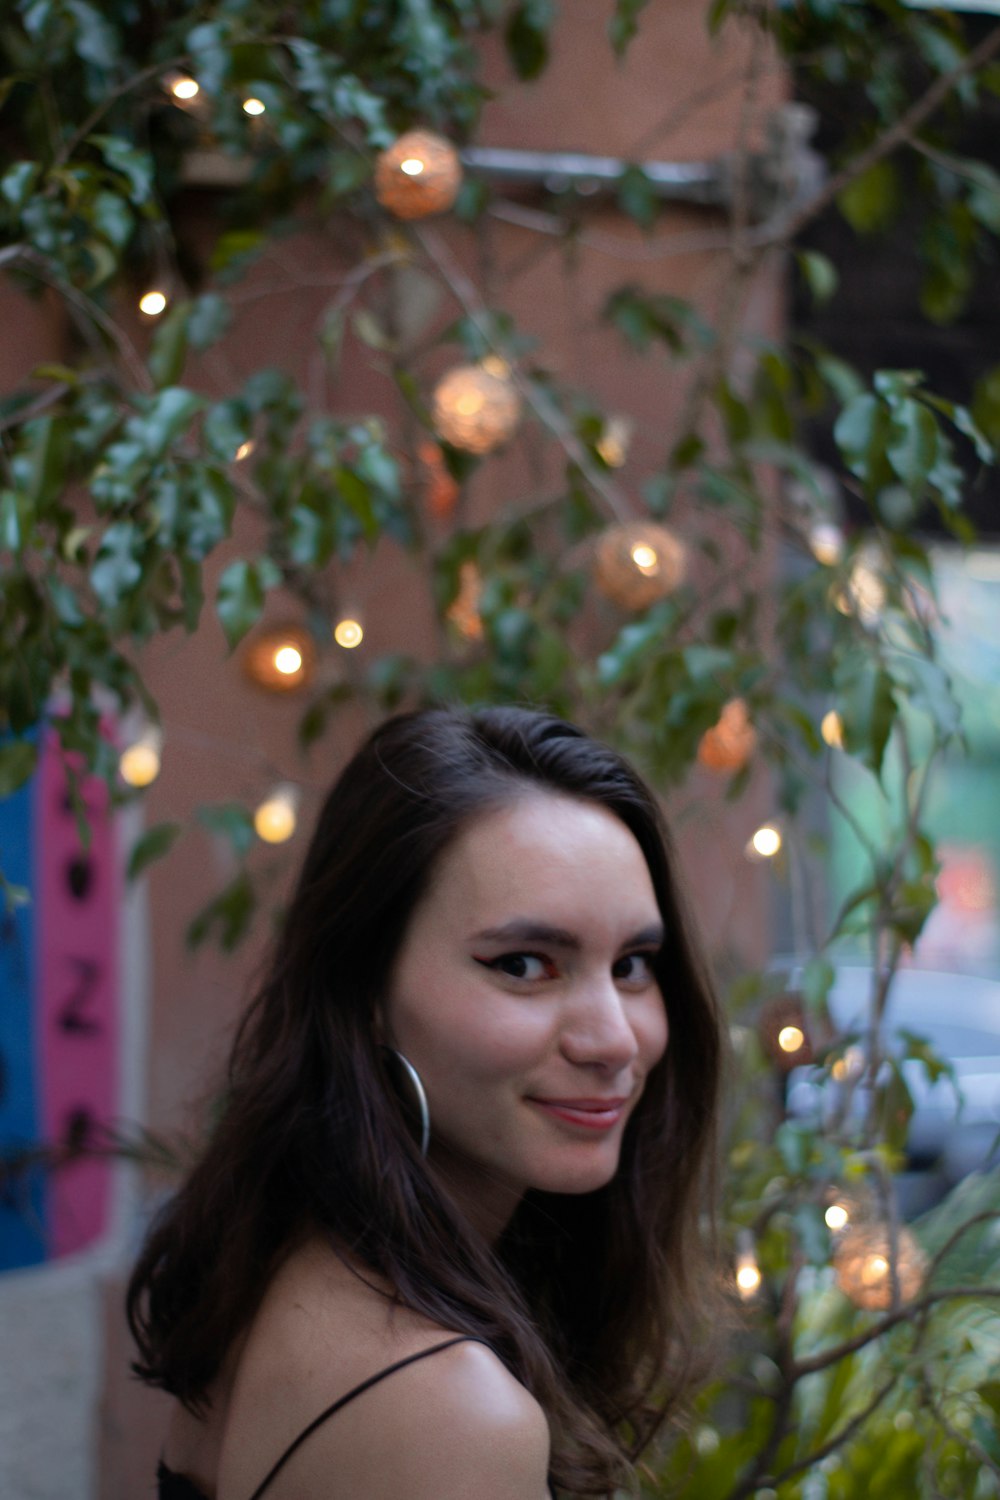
(445, 1238)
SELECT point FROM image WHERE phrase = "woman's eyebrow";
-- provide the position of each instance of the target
(652, 936)
(524, 930)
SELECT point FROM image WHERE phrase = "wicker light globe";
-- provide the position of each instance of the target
(729, 744)
(418, 175)
(476, 407)
(637, 563)
(861, 1263)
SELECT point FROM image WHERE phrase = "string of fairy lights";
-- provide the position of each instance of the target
(476, 408)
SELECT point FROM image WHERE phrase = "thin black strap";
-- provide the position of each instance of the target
(465, 1338)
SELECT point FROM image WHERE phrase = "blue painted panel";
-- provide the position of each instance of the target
(22, 1192)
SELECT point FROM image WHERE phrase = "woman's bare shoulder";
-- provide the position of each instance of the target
(453, 1424)
(326, 1326)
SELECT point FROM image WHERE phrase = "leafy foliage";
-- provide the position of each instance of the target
(131, 493)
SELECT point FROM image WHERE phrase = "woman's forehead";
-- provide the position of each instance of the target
(542, 851)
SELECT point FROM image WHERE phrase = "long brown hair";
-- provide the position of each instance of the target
(594, 1302)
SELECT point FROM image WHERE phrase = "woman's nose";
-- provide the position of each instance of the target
(597, 1030)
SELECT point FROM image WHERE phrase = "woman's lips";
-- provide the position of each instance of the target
(591, 1114)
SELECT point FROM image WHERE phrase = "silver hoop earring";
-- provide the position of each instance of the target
(417, 1087)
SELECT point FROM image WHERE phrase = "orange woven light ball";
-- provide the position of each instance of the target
(637, 563)
(476, 407)
(418, 175)
(729, 744)
(861, 1263)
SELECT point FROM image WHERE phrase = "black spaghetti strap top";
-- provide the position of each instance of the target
(171, 1486)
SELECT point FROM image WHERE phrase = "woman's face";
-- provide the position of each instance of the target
(525, 997)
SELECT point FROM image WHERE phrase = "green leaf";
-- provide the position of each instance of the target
(169, 347)
(817, 981)
(112, 217)
(211, 315)
(17, 762)
(96, 38)
(10, 522)
(153, 845)
(47, 453)
(867, 706)
(163, 419)
(527, 36)
(233, 821)
(912, 445)
(229, 914)
(871, 202)
(240, 598)
(819, 273)
(897, 1107)
(117, 568)
(637, 196)
(861, 431)
(624, 24)
(18, 182)
(135, 166)
(986, 405)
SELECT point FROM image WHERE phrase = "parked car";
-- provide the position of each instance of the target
(955, 1127)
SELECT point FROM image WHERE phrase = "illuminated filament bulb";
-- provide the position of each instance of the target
(765, 842)
(139, 762)
(348, 633)
(748, 1277)
(253, 106)
(276, 817)
(288, 660)
(646, 559)
(791, 1038)
(244, 450)
(826, 543)
(837, 1217)
(832, 729)
(153, 302)
(185, 88)
(412, 166)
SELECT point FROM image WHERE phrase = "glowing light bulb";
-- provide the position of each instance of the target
(826, 542)
(276, 817)
(412, 166)
(748, 1277)
(469, 403)
(288, 659)
(766, 842)
(139, 763)
(152, 303)
(832, 729)
(848, 1066)
(614, 441)
(836, 1216)
(244, 450)
(348, 633)
(645, 558)
(791, 1038)
(253, 106)
(185, 88)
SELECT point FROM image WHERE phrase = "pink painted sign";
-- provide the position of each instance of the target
(78, 900)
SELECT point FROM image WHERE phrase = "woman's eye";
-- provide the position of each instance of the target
(635, 968)
(526, 966)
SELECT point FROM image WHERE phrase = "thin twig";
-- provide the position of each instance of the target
(910, 1311)
(467, 296)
